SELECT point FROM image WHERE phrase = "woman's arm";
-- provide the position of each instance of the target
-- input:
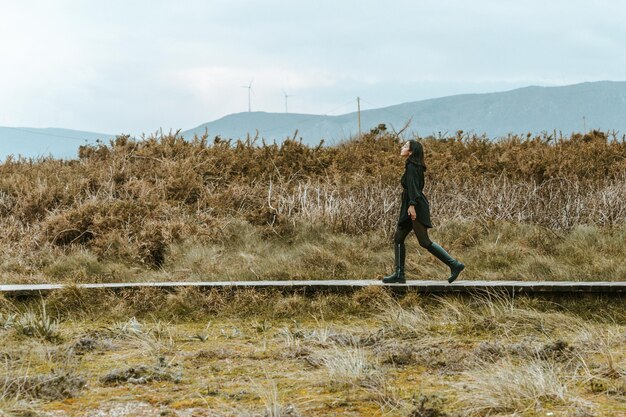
(414, 184)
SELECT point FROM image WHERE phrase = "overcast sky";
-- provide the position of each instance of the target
(136, 66)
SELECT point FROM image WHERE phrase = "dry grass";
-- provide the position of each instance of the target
(273, 405)
(498, 251)
(369, 353)
(346, 365)
(165, 207)
(168, 209)
(33, 322)
(514, 388)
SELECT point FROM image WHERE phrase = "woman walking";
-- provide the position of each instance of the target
(415, 215)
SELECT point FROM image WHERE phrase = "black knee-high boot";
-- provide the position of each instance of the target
(440, 253)
(398, 276)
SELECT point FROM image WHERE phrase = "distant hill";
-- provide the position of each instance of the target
(34, 142)
(529, 109)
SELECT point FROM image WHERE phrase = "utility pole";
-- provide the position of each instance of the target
(358, 104)
(584, 126)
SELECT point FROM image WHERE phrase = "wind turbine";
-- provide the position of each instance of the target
(249, 87)
(286, 97)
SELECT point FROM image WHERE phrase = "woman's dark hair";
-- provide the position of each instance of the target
(417, 153)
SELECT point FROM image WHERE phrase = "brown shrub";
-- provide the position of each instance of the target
(131, 199)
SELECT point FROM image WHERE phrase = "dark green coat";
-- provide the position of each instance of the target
(413, 184)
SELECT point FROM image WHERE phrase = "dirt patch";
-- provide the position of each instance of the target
(558, 350)
(43, 387)
(489, 351)
(396, 353)
(140, 374)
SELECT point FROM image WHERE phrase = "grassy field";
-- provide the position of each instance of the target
(527, 208)
(250, 353)
(499, 251)
(165, 208)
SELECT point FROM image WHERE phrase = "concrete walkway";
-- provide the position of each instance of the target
(557, 287)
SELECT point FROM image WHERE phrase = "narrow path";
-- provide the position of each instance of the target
(606, 287)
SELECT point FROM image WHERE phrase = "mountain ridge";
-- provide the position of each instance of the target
(33, 142)
(572, 108)
(527, 109)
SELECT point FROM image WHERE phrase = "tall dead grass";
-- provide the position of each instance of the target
(515, 388)
(558, 204)
(128, 202)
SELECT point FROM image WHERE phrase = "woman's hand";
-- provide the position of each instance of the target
(411, 212)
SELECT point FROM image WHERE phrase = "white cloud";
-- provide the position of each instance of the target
(136, 66)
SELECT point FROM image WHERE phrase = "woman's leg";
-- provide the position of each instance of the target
(421, 232)
(399, 251)
(440, 253)
(399, 248)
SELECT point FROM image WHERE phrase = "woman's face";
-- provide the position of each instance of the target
(405, 151)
